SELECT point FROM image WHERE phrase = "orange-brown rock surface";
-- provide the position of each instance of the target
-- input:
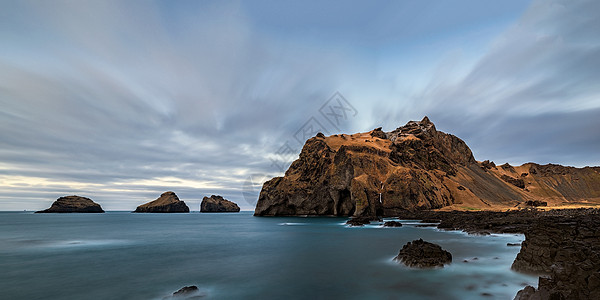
(168, 202)
(73, 204)
(413, 167)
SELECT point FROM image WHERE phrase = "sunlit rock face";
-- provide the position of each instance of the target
(168, 202)
(413, 167)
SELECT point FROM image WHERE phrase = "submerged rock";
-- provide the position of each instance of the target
(168, 202)
(216, 204)
(188, 292)
(73, 204)
(422, 254)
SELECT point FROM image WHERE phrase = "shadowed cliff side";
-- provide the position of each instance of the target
(411, 168)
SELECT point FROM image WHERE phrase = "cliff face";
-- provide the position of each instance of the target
(215, 204)
(168, 202)
(413, 167)
(73, 204)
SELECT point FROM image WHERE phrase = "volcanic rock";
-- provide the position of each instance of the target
(392, 224)
(514, 181)
(422, 254)
(168, 202)
(360, 221)
(73, 204)
(378, 133)
(415, 167)
(536, 203)
(216, 204)
(567, 250)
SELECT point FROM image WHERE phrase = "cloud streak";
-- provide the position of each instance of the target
(120, 101)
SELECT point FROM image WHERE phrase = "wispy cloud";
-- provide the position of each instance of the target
(120, 101)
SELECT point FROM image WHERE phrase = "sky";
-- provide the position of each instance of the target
(120, 101)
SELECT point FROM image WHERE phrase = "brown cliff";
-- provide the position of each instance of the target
(411, 168)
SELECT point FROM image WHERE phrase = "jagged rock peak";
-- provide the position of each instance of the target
(413, 128)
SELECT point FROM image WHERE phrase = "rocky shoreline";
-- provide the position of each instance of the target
(563, 246)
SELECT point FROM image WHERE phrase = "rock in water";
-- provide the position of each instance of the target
(217, 204)
(392, 224)
(168, 202)
(422, 254)
(73, 204)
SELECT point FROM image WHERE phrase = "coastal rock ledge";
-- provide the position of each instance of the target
(73, 204)
(168, 202)
(216, 204)
(422, 254)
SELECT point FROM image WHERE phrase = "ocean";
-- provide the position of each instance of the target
(121, 255)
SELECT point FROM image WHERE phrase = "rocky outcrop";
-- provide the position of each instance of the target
(216, 204)
(392, 224)
(514, 181)
(422, 254)
(567, 251)
(563, 245)
(168, 202)
(73, 204)
(360, 221)
(188, 292)
(414, 167)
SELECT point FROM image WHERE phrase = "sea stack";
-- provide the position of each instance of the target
(422, 254)
(73, 204)
(168, 202)
(216, 204)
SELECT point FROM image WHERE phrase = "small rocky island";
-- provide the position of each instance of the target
(422, 254)
(216, 204)
(73, 204)
(168, 202)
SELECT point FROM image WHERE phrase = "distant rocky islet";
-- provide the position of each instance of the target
(73, 204)
(217, 204)
(168, 202)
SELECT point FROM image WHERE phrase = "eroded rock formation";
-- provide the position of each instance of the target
(414, 167)
(73, 204)
(217, 203)
(422, 254)
(168, 202)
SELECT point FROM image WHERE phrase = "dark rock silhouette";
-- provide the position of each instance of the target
(73, 204)
(392, 224)
(422, 254)
(216, 204)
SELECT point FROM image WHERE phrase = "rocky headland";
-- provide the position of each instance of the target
(414, 167)
(216, 204)
(73, 204)
(418, 172)
(168, 202)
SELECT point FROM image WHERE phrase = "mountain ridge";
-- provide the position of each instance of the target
(413, 167)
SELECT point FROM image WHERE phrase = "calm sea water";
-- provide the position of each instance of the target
(120, 255)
